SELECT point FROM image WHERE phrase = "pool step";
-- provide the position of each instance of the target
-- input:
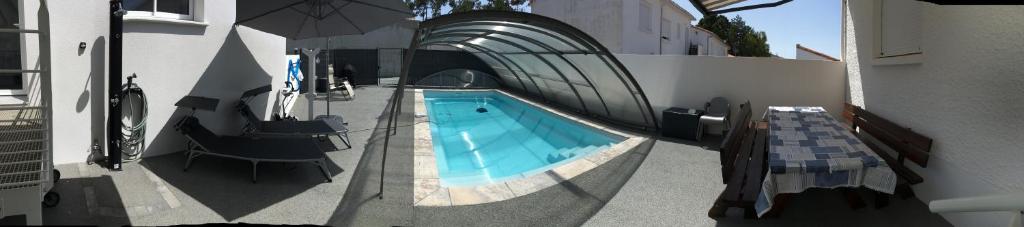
(567, 153)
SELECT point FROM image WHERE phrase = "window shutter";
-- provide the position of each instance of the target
(900, 28)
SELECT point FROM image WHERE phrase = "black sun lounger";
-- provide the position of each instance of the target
(201, 141)
(319, 127)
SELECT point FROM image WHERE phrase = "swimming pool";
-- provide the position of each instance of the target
(482, 137)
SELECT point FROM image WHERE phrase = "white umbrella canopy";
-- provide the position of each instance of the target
(301, 19)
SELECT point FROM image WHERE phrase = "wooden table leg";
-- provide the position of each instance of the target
(852, 198)
(718, 210)
(881, 200)
(778, 205)
(749, 213)
(904, 191)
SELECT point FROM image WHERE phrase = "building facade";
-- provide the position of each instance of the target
(652, 27)
(967, 98)
(704, 42)
(182, 48)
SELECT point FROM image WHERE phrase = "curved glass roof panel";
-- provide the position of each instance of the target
(547, 60)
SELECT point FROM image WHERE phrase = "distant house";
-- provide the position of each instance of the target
(804, 53)
(704, 42)
(655, 27)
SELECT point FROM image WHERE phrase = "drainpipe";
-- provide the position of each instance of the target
(661, 28)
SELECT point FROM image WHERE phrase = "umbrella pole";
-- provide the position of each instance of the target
(311, 80)
(330, 75)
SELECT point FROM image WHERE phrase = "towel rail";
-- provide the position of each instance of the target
(992, 203)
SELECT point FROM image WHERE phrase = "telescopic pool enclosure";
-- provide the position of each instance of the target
(539, 58)
(543, 59)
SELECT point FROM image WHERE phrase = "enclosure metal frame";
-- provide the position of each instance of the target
(568, 35)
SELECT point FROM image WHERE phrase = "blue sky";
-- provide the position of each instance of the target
(815, 24)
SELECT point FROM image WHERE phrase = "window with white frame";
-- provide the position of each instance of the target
(11, 53)
(898, 24)
(645, 17)
(169, 9)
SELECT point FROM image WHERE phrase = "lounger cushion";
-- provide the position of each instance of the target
(314, 127)
(248, 147)
(270, 148)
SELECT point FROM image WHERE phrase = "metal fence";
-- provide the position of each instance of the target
(382, 66)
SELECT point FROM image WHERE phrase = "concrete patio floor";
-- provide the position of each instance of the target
(665, 183)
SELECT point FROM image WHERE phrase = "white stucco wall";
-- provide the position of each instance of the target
(690, 81)
(601, 19)
(965, 94)
(172, 60)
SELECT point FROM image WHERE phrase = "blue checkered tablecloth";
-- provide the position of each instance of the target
(808, 148)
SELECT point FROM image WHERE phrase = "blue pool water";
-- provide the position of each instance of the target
(509, 139)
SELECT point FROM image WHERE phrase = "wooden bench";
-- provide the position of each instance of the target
(907, 144)
(744, 157)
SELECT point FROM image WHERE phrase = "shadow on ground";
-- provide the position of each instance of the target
(224, 185)
(85, 199)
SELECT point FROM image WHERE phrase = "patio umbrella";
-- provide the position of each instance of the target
(302, 19)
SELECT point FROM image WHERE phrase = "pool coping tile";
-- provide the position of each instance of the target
(429, 191)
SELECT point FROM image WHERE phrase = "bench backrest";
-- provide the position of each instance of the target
(907, 143)
(732, 143)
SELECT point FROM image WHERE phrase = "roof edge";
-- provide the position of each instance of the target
(812, 51)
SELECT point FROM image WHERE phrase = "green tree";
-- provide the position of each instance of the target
(743, 39)
(435, 7)
(426, 9)
(463, 5)
(419, 7)
(504, 5)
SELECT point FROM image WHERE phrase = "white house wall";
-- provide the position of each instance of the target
(636, 41)
(716, 47)
(690, 81)
(707, 43)
(172, 60)
(807, 55)
(677, 43)
(965, 94)
(616, 23)
(601, 19)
